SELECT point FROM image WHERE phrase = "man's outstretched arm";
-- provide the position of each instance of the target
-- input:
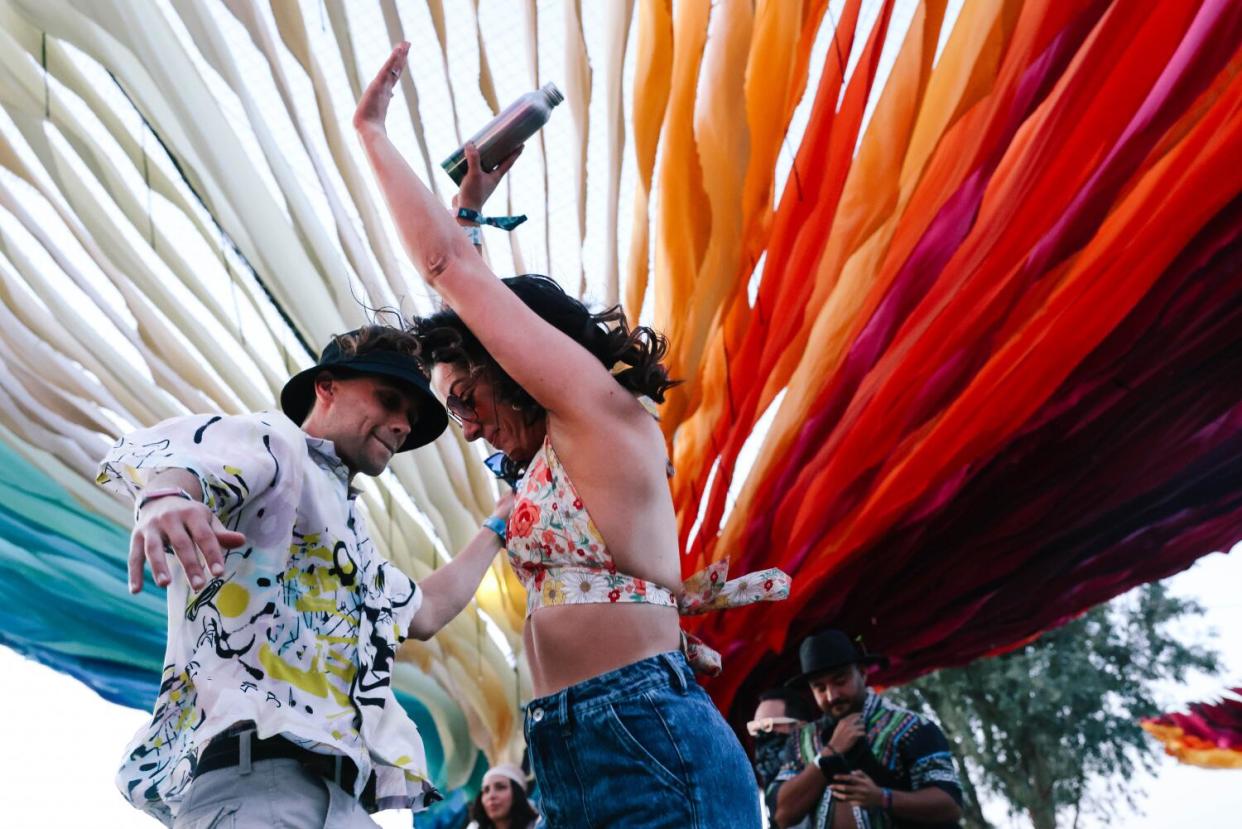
(447, 591)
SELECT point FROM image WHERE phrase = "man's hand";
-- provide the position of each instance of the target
(478, 184)
(187, 529)
(849, 730)
(504, 504)
(857, 789)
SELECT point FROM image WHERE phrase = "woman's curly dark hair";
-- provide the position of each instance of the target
(444, 338)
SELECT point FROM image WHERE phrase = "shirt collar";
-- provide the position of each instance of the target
(871, 705)
(323, 453)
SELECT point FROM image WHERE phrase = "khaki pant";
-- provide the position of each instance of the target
(271, 794)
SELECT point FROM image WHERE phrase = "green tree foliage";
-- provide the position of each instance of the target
(1052, 728)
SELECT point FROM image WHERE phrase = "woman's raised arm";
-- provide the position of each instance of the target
(561, 375)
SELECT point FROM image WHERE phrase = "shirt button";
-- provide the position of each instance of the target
(537, 715)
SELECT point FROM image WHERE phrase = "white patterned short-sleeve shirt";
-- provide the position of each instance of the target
(300, 633)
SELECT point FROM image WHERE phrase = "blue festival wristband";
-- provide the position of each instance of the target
(502, 222)
(498, 526)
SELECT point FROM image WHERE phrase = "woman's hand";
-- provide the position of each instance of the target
(372, 109)
(478, 184)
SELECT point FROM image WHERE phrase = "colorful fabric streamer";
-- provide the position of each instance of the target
(1209, 735)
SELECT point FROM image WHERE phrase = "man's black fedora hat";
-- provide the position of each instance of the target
(831, 649)
(298, 395)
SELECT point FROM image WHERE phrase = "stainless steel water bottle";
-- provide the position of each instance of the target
(502, 135)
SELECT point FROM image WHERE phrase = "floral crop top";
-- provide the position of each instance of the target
(559, 556)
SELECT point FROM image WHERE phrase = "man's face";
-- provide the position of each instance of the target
(774, 708)
(840, 692)
(367, 418)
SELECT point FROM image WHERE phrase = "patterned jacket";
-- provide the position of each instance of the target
(903, 751)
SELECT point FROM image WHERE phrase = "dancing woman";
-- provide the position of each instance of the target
(620, 733)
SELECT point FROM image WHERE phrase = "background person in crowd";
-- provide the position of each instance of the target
(865, 762)
(620, 733)
(502, 803)
(780, 712)
(275, 705)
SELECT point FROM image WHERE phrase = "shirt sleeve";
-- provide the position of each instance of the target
(930, 761)
(405, 596)
(235, 458)
(794, 759)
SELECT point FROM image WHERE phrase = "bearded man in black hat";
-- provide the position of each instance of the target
(275, 704)
(865, 763)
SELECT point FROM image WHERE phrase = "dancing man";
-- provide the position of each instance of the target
(275, 706)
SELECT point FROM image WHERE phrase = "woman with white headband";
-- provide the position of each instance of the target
(502, 803)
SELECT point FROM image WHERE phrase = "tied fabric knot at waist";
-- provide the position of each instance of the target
(709, 590)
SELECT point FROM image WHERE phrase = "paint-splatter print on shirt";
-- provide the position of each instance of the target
(298, 636)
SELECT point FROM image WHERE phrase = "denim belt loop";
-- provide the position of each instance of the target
(564, 712)
(679, 678)
(243, 752)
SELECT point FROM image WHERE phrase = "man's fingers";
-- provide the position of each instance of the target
(153, 547)
(136, 563)
(228, 539)
(187, 554)
(202, 533)
(472, 155)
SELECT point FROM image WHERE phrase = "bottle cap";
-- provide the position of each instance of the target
(552, 94)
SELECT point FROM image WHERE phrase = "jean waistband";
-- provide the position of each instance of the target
(662, 670)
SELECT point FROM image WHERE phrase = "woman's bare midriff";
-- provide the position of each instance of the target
(566, 644)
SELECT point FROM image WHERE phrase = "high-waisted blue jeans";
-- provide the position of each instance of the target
(641, 746)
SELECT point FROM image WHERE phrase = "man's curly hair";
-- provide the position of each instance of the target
(378, 337)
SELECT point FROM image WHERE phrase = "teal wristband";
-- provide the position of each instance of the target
(497, 526)
(502, 222)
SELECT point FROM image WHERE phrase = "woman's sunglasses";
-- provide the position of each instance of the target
(461, 406)
(461, 409)
(496, 463)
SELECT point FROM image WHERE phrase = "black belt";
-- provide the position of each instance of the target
(224, 752)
